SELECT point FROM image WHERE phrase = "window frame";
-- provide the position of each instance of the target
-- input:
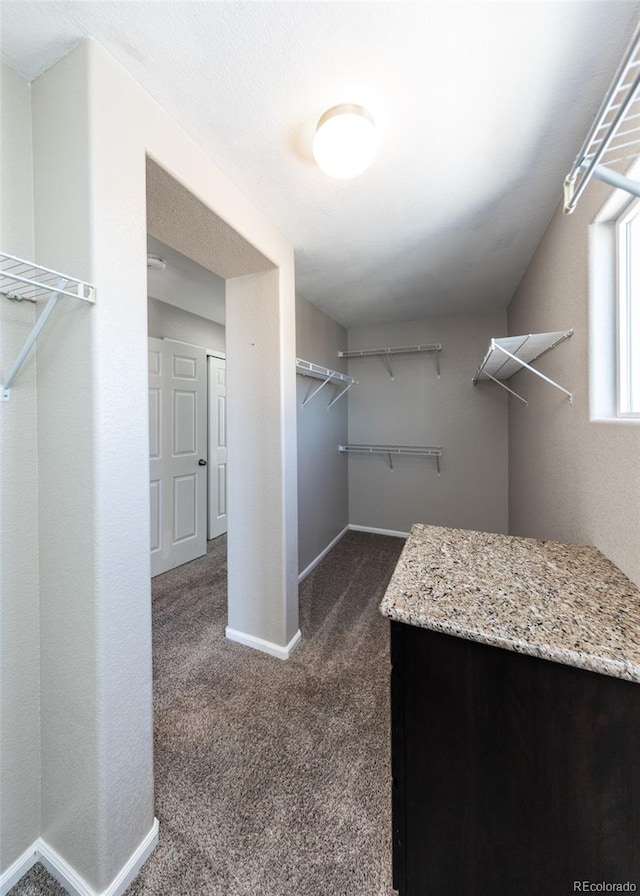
(627, 228)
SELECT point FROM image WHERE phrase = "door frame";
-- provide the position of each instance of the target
(221, 356)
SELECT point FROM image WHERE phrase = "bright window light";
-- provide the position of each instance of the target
(628, 236)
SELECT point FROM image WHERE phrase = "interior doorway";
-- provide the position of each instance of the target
(186, 326)
(256, 265)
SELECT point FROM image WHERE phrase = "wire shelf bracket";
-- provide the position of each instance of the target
(614, 135)
(316, 371)
(390, 450)
(385, 353)
(22, 281)
(506, 356)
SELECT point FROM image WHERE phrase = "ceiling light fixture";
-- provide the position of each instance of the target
(156, 263)
(345, 142)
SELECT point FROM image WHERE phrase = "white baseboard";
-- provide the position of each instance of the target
(19, 868)
(376, 531)
(67, 877)
(282, 653)
(305, 572)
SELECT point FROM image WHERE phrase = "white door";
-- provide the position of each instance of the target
(217, 446)
(178, 452)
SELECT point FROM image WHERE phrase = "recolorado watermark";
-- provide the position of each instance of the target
(604, 886)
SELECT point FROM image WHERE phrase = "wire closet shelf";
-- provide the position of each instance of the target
(389, 450)
(24, 281)
(385, 354)
(510, 354)
(318, 372)
(614, 137)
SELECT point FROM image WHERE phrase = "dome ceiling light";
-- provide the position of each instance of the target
(156, 263)
(345, 142)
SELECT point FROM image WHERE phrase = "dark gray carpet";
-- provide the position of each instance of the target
(271, 777)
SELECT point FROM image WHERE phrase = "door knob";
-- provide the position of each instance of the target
(202, 462)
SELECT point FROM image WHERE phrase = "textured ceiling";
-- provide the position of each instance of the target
(176, 217)
(481, 107)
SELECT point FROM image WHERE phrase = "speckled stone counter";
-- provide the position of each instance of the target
(561, 602)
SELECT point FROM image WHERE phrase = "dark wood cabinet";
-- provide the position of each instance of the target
(512, 775)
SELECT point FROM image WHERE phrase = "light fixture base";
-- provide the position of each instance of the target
(156, 263)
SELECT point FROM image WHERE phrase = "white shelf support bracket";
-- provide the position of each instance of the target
(24, 281)
(317, 371)
(315, 391)
(387, 363)
(31, 339)
(510, 391)
(533, 370)
(339, 395)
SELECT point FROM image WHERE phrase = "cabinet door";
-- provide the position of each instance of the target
(521, 775)
(397, 760)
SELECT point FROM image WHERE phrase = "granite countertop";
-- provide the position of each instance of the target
(560, 602)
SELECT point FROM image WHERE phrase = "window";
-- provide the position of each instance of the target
(628, 330)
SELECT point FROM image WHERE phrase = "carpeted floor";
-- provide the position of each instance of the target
(272, 778)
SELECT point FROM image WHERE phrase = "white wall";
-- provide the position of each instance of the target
(572, 478)
(93, 126)
(170, 322)
(323, 488)
(19, 610)
(468, 422)
(97, 778)
(261, 355)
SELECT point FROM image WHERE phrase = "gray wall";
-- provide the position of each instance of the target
(19, 604)
(173, 323)
(323, 507)
(571, 478)
(469, 423)
(262, 589)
